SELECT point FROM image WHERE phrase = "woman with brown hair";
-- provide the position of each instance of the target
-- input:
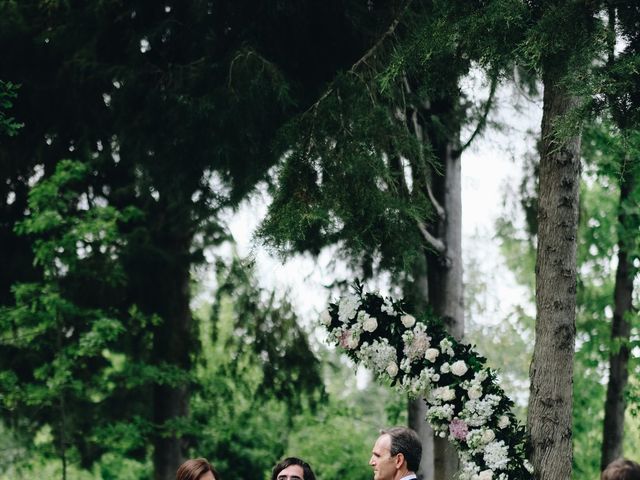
(621, 469)
(197, 469)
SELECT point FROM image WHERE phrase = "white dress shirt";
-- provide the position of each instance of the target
(409, 477)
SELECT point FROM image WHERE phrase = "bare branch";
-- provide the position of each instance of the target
(483, 119)
(436, 243)
(439, 208)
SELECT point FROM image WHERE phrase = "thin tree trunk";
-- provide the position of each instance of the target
(418, 293)
(172, 345)
(445, 282)
(615, 405)
(550, 402)
(417, 415)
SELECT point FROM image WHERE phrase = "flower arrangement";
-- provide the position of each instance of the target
(464, 401)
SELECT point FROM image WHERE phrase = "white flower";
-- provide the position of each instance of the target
(439, 413)
(496, 455)
(325, 318)
(347, 307)
(353, 341)
(377, 356)
(527, 464)
(485, 475)
(488, 436)
(415, 344)
(445, 368)
(503, 422)
(435, 377)
(459, 368)
(477, 412)
(446, 346)
(387, 308)
(405, 365)
(408, 320)
(392, 369)
(475, 392)
(444, 393)
(431, 354)
(369, 324)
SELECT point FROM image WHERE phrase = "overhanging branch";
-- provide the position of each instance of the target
(437, 244)
(483, 119)
(367, 55)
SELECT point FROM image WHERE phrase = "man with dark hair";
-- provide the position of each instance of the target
(621, 469)
(292, 468)
(396, 454)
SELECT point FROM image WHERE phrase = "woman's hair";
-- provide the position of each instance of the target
(287, 462)
(621, 469)
(194, 468)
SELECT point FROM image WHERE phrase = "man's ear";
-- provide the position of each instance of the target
(399, 460)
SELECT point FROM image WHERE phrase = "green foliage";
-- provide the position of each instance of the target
(8, 125)
(256, 373)
(61, 347)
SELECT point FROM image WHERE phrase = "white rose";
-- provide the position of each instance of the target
(435, 377)
(459, 368)
(528, 466)
(431, 354)
(369, 324)
(503, 421)
(485, 475)
(474, 392)
(325, 318)
(408, 320)
(392, 369)
(444, 393)
(445, 368)
(488, 436)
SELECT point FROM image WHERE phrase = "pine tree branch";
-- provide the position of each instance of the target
(483, 119)
(365, 57)
(436, 243)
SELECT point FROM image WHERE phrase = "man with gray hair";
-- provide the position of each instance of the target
(396, 454)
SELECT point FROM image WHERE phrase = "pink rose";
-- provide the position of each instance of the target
(458, 429)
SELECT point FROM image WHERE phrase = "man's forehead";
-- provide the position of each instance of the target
(383, 442)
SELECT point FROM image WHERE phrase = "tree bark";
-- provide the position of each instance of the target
(172, 345)
(445, 279)
(417, 415)
(549, 418)
(615, 404)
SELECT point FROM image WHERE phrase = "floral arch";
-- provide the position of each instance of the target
(464, 401)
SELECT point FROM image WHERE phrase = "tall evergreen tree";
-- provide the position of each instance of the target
(174, 106)
(622, 96)
(550, 402)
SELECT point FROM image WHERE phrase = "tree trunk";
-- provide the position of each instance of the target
(615, 405)
(417, 293)
(166, 292)
(550, 402)
(417, 415)
(172, 346)
(445, 281)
